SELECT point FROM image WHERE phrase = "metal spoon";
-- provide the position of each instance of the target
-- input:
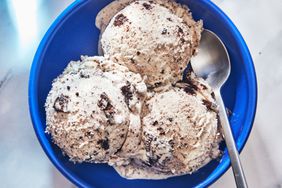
(213, 64)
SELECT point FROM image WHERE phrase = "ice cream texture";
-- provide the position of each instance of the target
(91, 108)
(180, 132)
(153, 38)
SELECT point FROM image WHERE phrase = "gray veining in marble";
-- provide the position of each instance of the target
(23, 162)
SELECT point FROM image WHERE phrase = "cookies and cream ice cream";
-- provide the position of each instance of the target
(153, 38)
(180, 132)
(130, 108)
(181, 128)
(91, 108)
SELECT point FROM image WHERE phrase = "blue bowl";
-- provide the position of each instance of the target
(74, 34)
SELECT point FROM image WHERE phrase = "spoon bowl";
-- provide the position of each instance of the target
(212, 63)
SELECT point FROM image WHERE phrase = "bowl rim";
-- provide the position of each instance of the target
(33, 105)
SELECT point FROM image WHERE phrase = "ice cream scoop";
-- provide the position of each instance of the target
(90, 108)
(153, 38)
(180, 132)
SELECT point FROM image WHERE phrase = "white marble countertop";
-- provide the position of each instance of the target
(22, 25)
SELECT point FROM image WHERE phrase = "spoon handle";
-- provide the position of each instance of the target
(231, 146)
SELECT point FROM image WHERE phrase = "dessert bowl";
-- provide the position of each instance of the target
(74, 33)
